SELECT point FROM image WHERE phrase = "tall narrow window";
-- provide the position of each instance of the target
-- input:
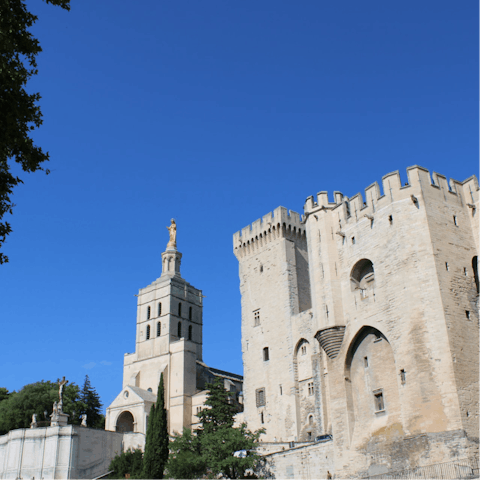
(303, 350)
(261, 418)
(256, 317)
(190, 329)
(403, 376)
(365, 362)
(148, 313)
(190, 313)
(379, 401)
(260, 397)
(159, 329)
(281, 390)
(455, 221)
(159, 308)
(179, 309)
(475, 270)
(311, 390)
(266, 355)
(148, 332)
(179, 330)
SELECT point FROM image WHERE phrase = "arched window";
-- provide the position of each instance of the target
(179, 309)
(190, 329)
(475, 270)
(159, 308)
(148, 332)
(125, 422)
(148, 313)
(362, 276)
(159, 329)
(190, 313)
(266, 355)
(179, 332)
(310, 419)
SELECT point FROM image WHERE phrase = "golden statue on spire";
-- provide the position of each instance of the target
(172, 229)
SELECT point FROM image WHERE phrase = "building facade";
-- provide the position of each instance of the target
(360, 320)
(168, 340)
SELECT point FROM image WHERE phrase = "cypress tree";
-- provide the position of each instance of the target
(157, 439)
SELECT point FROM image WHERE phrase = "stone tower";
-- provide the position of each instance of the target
(168, 341)
(391, 336)
(276, 328)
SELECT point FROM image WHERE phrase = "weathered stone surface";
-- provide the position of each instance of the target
(395, 276)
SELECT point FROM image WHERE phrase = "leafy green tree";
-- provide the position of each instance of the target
(20, 111)
(221, 411)
(157, 440)
(186, 459)
(16, 411)
(90, 404)
(129, 462)
(4, 393)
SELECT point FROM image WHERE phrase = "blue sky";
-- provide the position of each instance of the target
(215, 113)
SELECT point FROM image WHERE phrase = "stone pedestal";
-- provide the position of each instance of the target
(59, 419)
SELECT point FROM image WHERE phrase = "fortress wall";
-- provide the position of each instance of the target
(57, 452)
(304, 462)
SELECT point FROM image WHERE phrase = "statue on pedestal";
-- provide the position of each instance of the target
(172, 229)
(84, 420)
(61, 384)
(34, 421)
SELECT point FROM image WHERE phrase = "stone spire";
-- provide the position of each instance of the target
(171, 258)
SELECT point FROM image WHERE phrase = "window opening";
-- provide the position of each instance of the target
(310, 388)
(260, 397)
(390, 219)
(159, 329)
(190, 332)
(266, 355)
(261, 417)
(465, 271)
(281, 390)
(379, 402)
(309, 435)
(261, 268)
(256, 317)
(475, 270)
(148, 332)
(353, 240)
(179, 309)
(455, 220)
(199, 409)
(149, 389)
(148, 313)
(190, 313)
(310, 419)
(179, 332)
(446, 266)
(403, 376)
(159, 309)
(467, 314)
(304, 349)
(365, 361)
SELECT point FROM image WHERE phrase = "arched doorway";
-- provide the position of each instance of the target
(125, 422)
(371, 384)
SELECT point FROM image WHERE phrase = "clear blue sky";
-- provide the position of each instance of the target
(215, 113)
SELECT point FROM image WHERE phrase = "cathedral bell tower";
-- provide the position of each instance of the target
(169, 337)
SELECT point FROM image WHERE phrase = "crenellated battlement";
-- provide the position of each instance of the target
(282, 223)
(420, 182)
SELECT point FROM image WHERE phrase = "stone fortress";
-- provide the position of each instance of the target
(360, 321)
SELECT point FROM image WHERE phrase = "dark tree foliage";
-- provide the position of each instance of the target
(157, 440)
(186, 459)
(16, 411)
(211, 451)
(128, 463)
(4, 394)
(90, 404)
(221, 411)
(20, 113)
